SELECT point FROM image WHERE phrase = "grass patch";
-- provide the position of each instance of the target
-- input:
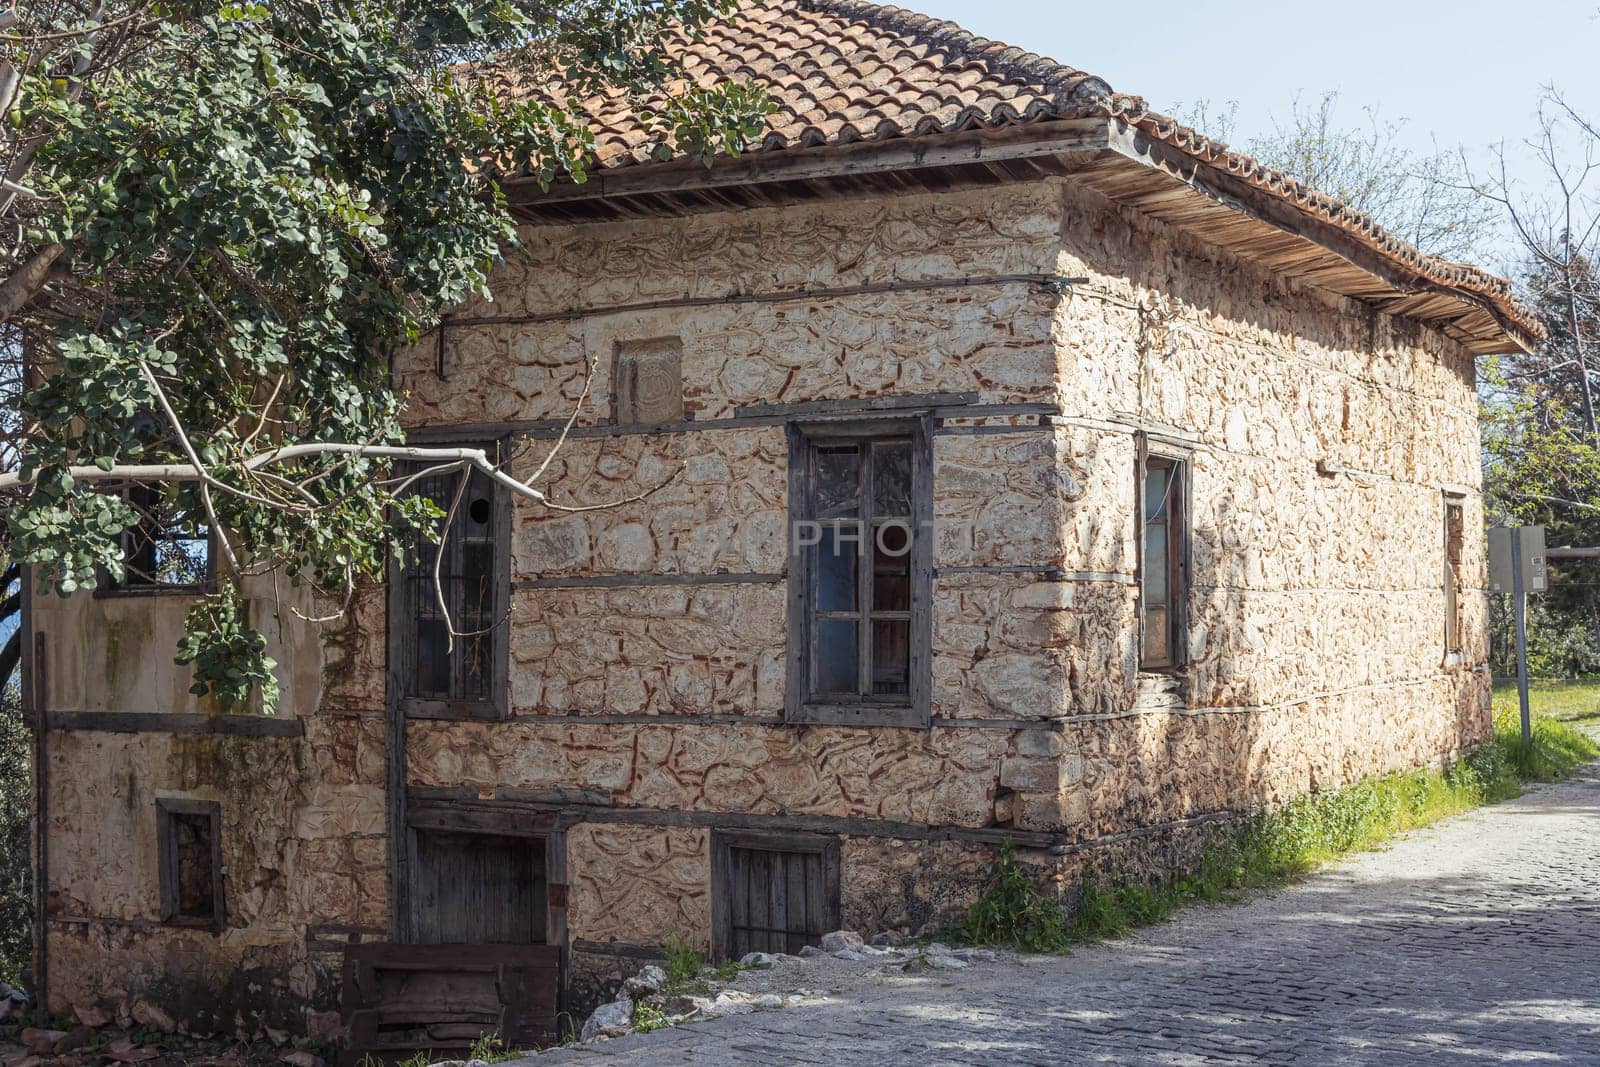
(683, 963)
(491, 1048)
(1274, 848)
(1567, 699)
(687, 968)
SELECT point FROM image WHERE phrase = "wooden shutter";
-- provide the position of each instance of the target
(773, 892)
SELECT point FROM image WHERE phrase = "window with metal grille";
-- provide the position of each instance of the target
(449, 637)
(860, 574)
(1161, 566)
(773, 892)
(168, 550)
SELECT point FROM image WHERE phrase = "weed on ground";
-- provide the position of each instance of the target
(1274, 848)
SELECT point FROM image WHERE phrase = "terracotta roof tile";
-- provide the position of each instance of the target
(840, 71)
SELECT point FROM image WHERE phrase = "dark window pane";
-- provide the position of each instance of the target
(836, 656)
(891, 479)
(196, 878)
(477, 569)
(837, 553)
(1156, 481)
(838, 482)
(462, 668)
(433, 661)
(474, 649)
(181, 562)
(891, 570)
(168, 546)
(891, 657)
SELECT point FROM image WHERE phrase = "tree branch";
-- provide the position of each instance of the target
(17, 291)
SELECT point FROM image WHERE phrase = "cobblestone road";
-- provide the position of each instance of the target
(1477, 941)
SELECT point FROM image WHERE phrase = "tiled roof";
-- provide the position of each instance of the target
(843, 71)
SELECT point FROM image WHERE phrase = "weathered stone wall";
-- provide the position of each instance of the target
(1316, 619)
(304, 861)
(303, 842)
(647, 640)
(114, 652)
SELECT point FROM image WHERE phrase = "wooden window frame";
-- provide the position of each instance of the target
(167, 861)
(1452, 591)
(402, 622)
(105, 586)
(722, 841)
(913, 711)
(1180, 463)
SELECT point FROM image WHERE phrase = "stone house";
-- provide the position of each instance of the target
(1022, 467)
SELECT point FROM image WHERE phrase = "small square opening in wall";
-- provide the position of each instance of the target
(189, 854)
(772, 892)
(649, 382)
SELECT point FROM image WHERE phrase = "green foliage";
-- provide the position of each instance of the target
(647, 1017)
(490, 1048)
(1568, 699)
(16, 876)
(1014, 912)
(683, 962)
(420, 1058)
(1273, 848)
(1541, 464)
(229, 657)
(258, 204)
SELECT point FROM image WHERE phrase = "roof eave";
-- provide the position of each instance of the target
(1076, 138)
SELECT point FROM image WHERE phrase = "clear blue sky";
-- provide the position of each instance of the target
(1467, 73)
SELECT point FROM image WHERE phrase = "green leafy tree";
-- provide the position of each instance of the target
(1540, 433)
(225, 216)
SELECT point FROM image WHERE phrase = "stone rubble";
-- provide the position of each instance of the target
(778, 976)
(105, 1046)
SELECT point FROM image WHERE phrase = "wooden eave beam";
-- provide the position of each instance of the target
(938, 162)
(832, 161)
(1133, 144)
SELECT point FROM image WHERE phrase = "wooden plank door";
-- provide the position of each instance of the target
(773, 892)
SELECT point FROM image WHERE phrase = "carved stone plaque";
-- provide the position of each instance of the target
(649, 383)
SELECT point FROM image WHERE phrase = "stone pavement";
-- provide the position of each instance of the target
(1474, 942)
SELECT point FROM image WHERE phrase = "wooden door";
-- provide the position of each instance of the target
(478, 889)
(773, 892)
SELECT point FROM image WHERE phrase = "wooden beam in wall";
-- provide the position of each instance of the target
(133, 722)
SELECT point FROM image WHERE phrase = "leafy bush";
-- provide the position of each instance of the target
(1014, 912)
(647, 1018)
